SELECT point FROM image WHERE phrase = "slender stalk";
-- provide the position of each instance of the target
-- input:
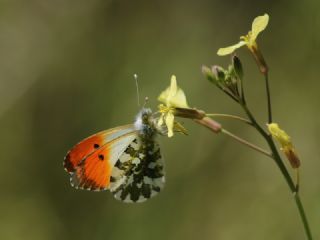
(292, 186)
(297, 179)
(216, 128)
(227, 92)
(243, 98)
(266, 76)
(230, 95)
(248, 144)
(228, 116)
(283, 170)
(303, 216)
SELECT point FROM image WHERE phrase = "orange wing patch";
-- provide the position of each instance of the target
(90, 162)
(93, 172)
(91, 144)
(83, 149)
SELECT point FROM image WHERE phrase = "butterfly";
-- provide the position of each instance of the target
(125, 160)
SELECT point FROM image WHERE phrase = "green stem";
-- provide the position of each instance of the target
(266, 76)
(254, 121)
(303, 216)
(283, 170)
(243, 98)
(228, 116)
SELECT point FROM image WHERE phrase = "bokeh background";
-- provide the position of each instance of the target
(66, 70)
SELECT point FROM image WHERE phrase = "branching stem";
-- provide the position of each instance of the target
(283, 169)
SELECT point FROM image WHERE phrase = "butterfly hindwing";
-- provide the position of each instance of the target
(94, 170)
(139, 172)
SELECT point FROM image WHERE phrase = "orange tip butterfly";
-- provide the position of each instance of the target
(126, 160)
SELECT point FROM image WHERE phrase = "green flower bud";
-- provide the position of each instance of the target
(219, 73)
(208, 73)
(237, 66)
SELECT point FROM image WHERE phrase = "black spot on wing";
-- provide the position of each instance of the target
(96, 145)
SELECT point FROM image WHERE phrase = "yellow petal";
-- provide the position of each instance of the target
(282, 137)
(169, 92)
(163, 96)
(173, 96)
(258, 25)
(230, 49)
(170, 123)
(172, 89)
(179, 100)
(160, 121)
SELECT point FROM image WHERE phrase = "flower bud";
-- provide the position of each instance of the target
(292, 157)
(218, 73)
(286, 145)
(237, 66)
(208, 74)
(210, 124)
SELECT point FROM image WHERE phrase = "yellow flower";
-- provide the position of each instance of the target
(258, 25)
(173, 97)
(286, 145)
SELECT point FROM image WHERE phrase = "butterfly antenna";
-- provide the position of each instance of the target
(137, 87)
(146, 99)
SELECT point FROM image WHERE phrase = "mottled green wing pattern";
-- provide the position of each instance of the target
(139, 173)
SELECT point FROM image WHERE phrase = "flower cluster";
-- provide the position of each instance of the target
(228, 80)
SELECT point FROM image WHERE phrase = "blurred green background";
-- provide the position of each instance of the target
(67, 71)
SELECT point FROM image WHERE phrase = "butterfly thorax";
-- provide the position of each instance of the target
(145, 125)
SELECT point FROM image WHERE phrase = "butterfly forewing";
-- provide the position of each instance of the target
(91, 144)
(94, 170)
(139, 172)
(93, 173)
